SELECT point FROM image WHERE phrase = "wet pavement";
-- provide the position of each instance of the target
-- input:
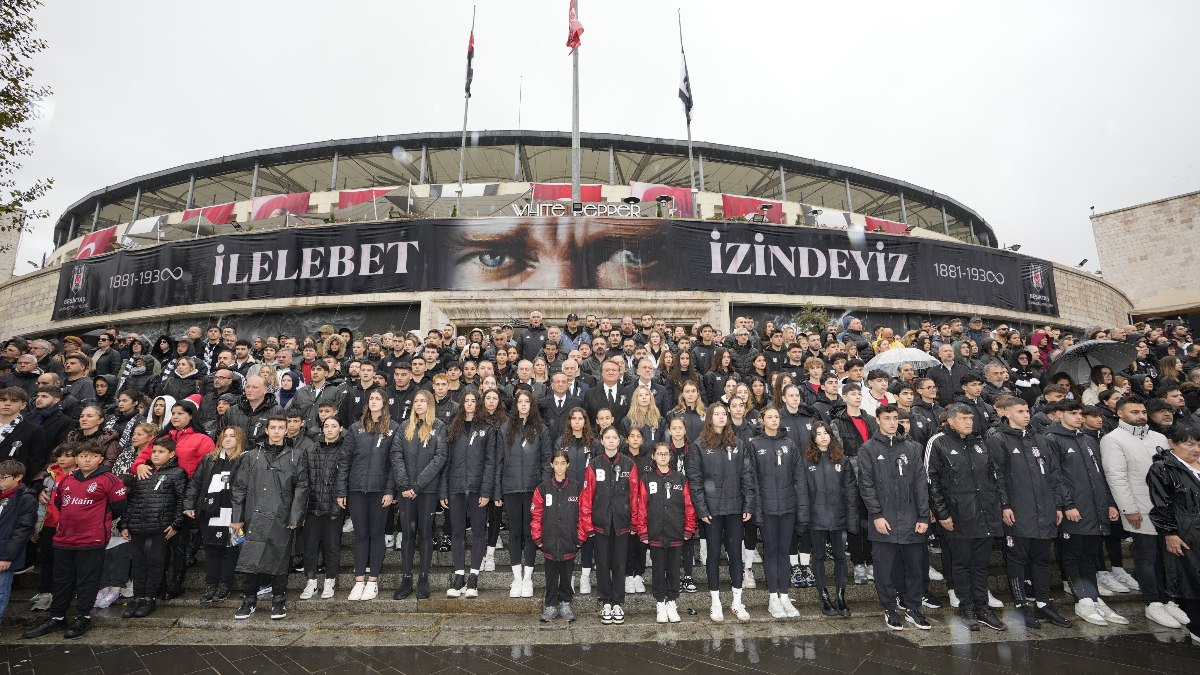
(866, 652)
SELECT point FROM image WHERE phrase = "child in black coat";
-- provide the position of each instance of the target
(153, 516)
(559, 525)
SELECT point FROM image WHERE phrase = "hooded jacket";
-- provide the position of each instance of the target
(964, 485)
(832, 494)
(190, 447)
(1175, 493)
(180, 387)
(18, 517)
(1032, 478)
(521, 465)
(847, 431)
(253, 419)
(721, 479)
(156, 502)
(1085, 487)
(270, 497)
(797, 425)
(893, 485)
(1127, 454)
(925, 420)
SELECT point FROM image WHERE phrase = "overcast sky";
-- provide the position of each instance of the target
(1027, 112)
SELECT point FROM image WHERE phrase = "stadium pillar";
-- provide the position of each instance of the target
(96, 216)
(71, 231)
(903, 209)
(333, 173)
(516, 162)
(945, 223)
(421, 176)
(254, 182)
(782, 184)
(971, 225)
(612, 165)
(849, 200)
(191, 190)
(702, 172)
(137, 203)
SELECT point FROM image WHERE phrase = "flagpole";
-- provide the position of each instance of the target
(688, 116)
(575, 154)
(462, 148)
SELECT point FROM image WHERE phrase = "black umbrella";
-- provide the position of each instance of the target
(1079, 360)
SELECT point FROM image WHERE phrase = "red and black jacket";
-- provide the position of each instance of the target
(557, 525)
(664, 516)
(87, 506)
(613, 484)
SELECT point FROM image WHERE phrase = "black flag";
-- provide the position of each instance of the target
(685, 87)
(470, 56)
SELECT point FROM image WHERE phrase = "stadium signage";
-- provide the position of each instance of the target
(488, 255)
(589, 209)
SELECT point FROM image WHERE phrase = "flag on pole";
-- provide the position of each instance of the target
(96, 243)
(574, 28)
(470, 57)
(685, 87)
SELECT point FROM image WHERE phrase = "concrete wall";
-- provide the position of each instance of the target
(1149, 248)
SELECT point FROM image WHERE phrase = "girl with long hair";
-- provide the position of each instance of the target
(209, 501)
(523, 460)
(324, 518)
(467, 490)
(833, 500)
(607, 513)
(645, 416)
(718, 374)
(781, 502)
(581, 446)
(690, 409)
(422, 451)
(366, 486)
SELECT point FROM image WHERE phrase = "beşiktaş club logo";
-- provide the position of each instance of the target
(78, 277)
(1036, 278)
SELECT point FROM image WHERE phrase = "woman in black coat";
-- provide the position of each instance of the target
(209, 502)
(833, 493)
(1174, 481)
(522, 463)
(467, 490)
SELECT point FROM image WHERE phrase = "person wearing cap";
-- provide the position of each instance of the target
(574, 334)
(976, 332)
(1161, 417)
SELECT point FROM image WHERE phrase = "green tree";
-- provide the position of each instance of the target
(19, 98)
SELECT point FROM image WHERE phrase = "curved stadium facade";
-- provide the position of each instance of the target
(413, 178)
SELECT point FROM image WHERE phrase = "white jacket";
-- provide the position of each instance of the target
(1127, 454)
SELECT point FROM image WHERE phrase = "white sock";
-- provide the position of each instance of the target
(585, 572)
(458, 572)
(773, 596)
(528, 573)
(474, 571)
(737, 597)
(491, 551)
(1117, 569)
(516, 570)
(716, 597)
(805, 558)
(793, 559)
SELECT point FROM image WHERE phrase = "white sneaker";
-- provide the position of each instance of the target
(1111, 616)
(527, 588)
(347, 526)
(775, 608)
(1157, 612)
(1104, 591)
(715, 612)
(489, 563)
(788, 608)
(389, 541)
(371, 590)
(993, 602)
(739, 610)
(1177, 613)
(310, 589)
(748, 579)
(672, 612)
(1087, 610)
(660, 612)
(639, 585)
(935, 575)
(1126, 580)
(514, 591)
(953, 598)
(1106, 579)
(127, 592)
(327, 591)
(356, 591)
(629, 585)
(585, 583)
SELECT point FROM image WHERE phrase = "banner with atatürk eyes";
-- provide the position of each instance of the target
(497, 254)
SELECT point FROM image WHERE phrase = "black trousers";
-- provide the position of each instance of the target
(1023, 555)
(417, 514)
(1192, 609)
(1112, 546)
(750, 535)
(118, 561)
(323, 535)
(495, 515)
(611, 552)
(665, 573)
(635, 557)
(909, 558)
(46, 560)
(520, 538)
(277, 582)
(971, 559)
(1148, 567)
(76, 578)
(219, 563)
(777, 534)
(464, 508)
(149, 562)
(558, 581)
(860, 544)
(1079, 553)
(725, 530)
(370, 519)
(837, 542)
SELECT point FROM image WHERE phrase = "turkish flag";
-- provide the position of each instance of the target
(884, 225)
(96, 243)
(348, 198)
(574, 28)
(734, 206)
(562, 191)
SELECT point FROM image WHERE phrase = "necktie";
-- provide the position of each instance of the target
(612, 397)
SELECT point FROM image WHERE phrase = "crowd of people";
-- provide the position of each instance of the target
(613, 449)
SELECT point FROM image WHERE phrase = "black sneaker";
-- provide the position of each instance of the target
(405, 590)
(687, 585)
(892, 618)
(900, 604)
(247, 609)
(44, 628)
(222, 591)
(807, 578)
(458, 583)
(931, 601)
(1029, 616)
(79, 627)
(279, 607)
(472, 590)
(210, 594)
(1050, 614)
(917, 619)
(797, 576)
(145, 608)
(132, 608)
(422, 587)
(968, 617)
(989, 619)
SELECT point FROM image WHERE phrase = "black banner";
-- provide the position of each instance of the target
(553, 253)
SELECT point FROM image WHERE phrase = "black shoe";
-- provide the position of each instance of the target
(458, 584)
(423, 587)
(132, 608)
(279, 607)
(797, 577)
(80, 625)
(989, 619)
(842, 607)
(827, 607)
(210, 594)
(222, 591)
(443, 544)
(807, 578)
(892, 618)
(247, 609)
(145, 608)
(405, 590)
(175, 589)
(916, 618)
(687, 585)
(472, 585)
(968, 617)
(931, 601)
(44, 628)
(1050, 614)
(1029, 616)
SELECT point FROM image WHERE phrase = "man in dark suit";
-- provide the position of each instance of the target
(575, 385)
(947, 375)
(556, 405)
(608, 393)
(645, 378)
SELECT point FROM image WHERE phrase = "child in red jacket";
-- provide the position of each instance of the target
(664, 519)
(559, 525)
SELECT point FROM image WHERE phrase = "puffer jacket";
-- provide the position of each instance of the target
(779, 486)
(797, 425)
(893, 486)
(156, 503)
(721, 479)
(579, 457)
(1127, 454)
(367, 461)
(109, 440)
(17, 522)
(557, 524)
(743, 357)
(611, 494)
(190, 447)
(323, 458)
(521, 465)
(964, 485)
(420, 465)
(832, 494)
(253, 419)
(847, 432)
(471, 461)
(180, 387)
(1032, 478)
(664, 517)
(1083, 480)
(924, 421)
